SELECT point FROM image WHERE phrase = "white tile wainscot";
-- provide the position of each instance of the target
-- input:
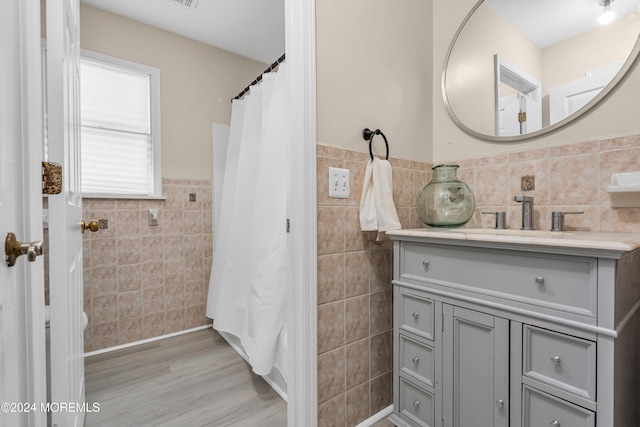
(497, 328)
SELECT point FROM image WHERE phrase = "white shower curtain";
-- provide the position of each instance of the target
(248, 286)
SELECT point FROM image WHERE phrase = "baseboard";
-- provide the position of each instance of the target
(377, 417)
(135, 343)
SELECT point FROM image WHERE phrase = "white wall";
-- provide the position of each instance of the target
(470, 89)
(198, 82)
(374, 68)
(566, 61)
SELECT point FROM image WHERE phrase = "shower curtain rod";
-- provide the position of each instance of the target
(268, 70)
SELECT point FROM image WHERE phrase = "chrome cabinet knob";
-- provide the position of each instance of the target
(556, 360)
(555, 423)
(415, 314)
(500, 403)
(539, 280)
(425, 264)
(416, 404)
(416, 360)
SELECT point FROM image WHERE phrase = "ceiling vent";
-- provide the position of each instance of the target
(191, 4)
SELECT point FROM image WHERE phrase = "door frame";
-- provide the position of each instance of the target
(29, 183)
(529, 87)
(302, 386)
(65, 211)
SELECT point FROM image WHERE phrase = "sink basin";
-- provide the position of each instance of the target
(511, 232)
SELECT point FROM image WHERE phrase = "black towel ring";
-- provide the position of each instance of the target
(368, 135)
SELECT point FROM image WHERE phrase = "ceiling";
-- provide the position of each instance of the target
(251, 28)
(255, 28)
(546, 22)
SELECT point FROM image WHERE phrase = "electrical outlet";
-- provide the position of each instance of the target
(153, 216)
(339, 186)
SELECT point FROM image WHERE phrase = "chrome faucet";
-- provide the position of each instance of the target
(527, 211)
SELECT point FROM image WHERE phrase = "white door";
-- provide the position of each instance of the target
(22, 345)
(567, 98)
(508, 110)
(65, 210)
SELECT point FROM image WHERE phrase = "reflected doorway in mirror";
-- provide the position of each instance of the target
(517, 99)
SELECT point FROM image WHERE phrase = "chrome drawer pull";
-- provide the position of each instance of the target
(556, 360)
(540, 280)
(415, 314)
(416, 404)
(416, 360)
(425, 263)
(555, 423)
(500, 403)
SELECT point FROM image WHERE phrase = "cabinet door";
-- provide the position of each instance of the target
(475, 369)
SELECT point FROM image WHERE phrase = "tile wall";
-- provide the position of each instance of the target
(354, 275)
(567, 178)
(354, 292)
(142, 281)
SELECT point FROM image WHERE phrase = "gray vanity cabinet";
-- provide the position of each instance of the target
(503, 335)
(475, 368)
(445, 350)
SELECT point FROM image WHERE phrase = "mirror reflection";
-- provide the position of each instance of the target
(519, 68)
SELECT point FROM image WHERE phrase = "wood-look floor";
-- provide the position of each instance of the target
(192, 380)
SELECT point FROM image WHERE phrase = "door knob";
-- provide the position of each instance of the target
(13, 249)
(92, 225)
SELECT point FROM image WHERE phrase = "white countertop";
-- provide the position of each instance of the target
(622, 242)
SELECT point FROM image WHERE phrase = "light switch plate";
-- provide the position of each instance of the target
(339, 186)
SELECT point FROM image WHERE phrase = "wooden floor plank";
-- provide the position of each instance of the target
(193, 380)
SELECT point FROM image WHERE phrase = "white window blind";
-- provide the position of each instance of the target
(120, 131)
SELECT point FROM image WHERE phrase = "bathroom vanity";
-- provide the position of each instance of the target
(496, 328)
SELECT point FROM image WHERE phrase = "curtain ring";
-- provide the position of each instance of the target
(368, 134)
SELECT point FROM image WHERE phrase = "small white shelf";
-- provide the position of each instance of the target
(624, 190)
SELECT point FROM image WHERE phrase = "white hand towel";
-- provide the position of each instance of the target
(377, 210)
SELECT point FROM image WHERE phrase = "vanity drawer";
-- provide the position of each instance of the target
(416, 314)
(562, 283)
(540, 409)
(562, 361)
(417, 359)
(416, 405)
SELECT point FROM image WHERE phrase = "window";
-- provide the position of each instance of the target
(120, 127)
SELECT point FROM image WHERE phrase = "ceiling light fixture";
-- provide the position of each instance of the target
(607, 14)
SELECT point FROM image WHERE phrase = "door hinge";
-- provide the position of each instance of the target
(288, 225)
(522, 117)
(51, 178)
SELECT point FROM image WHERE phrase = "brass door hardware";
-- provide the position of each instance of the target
(13, 249)
(91, 225)
(51, 178)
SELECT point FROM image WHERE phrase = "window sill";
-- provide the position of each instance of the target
(121, 196)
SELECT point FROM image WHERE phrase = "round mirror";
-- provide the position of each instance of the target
(520, 68)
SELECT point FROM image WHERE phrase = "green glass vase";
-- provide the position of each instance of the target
(446, 201)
